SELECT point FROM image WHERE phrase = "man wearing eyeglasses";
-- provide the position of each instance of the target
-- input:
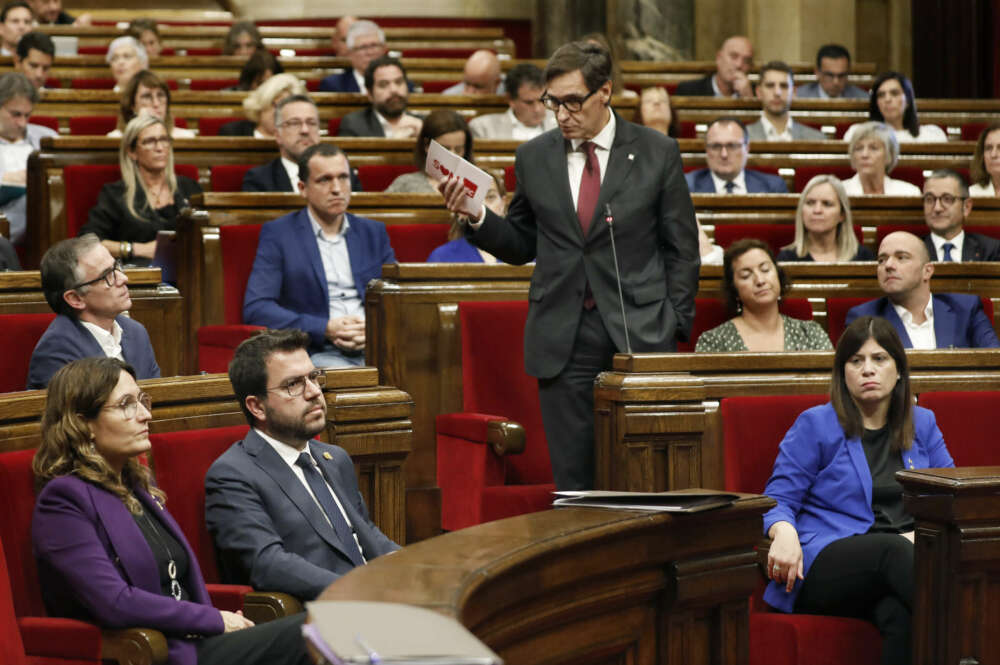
(87, 289)
(833, 66)
(365, 41)
(923, 320)
(296, 125)
(284, 508)
(727, 148)
(572, 183)
(946, 206)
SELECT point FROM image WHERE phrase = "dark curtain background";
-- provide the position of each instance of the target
(955, 48)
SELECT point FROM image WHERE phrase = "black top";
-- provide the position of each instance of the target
(8, 257)
(164, 547)
(864, 254)
(887, 493)
(237, 128)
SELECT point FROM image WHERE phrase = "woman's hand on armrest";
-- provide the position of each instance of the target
(235, 621)
(784, 559)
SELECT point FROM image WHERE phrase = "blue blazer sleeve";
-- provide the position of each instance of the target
(981, 331)
(137, 349)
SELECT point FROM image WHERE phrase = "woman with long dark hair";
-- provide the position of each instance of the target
(893, 102)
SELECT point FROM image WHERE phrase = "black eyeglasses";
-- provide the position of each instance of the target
(572, 104)
(129, 405)
(296, 386)
(947, 200)
(109, 276)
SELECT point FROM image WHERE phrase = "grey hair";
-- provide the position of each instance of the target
(126, 40)
(937, 174)
(880, 131)
(847, 242)
(363, 27)
(263, 97)
(60, 270)
(130, 171)
(16, 84)
(294, 99)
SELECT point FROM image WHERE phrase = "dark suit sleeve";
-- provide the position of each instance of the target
(678, 232)
(50, 354)
(981, 331)
(374, 543)
(8, 257)
(253, 180)
(141, 350)
(852, 314)
(348, 127)
(512, 239)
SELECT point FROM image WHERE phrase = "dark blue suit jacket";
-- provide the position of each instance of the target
(823, 484)
(270, 177)
(269, 531)
(700, 182)
(94, 564)
(66, 340)
(287, 286)
(959, 321)
(342, 82)
(459, 250)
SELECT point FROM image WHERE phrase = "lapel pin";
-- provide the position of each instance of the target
(327, 456)
(631, 156)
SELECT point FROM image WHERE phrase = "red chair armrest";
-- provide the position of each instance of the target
(506, 437)
(51, 637)
(228, 336)
(228, 597)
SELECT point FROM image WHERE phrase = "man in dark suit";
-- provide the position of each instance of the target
(946, 206)
(312, 266)
(833, 66)
(732, 64)
(570, 183)
(284, 508)
(87, 289)
(365, 42)
(385, 79)
(923, 321)
(296, 127)
(726, 151)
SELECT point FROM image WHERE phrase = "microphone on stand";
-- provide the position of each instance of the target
(610, 219)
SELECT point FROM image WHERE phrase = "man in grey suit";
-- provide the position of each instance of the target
(946, 207)
(527, 117)
(284, 508)
(385, 79)
(833, 66)
(775, 92)
(571, 184)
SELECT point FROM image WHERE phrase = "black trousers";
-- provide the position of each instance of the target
(868, 576)
(277, 642)
(567, 402)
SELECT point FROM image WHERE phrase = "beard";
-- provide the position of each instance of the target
(291, 428)
(393, 107)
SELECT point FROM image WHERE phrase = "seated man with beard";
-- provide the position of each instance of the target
(385, 79)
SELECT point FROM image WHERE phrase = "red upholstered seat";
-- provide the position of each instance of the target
(227, 177)
(438, 86)
(92, 125)
(11, 647)
(438, 52)
(509, 178)
(213, 84)
(477, 484)
(46, 121)
(803, 174)
(210, 127)
(972, 130)
(333, 124)
(376, 177)
(775, 235)
(911, 174)
(21, 334)
(711, 312)
(217, 343)
(100, 83)
(413, 243)
(966, 419)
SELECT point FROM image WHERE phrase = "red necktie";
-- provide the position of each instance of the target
(590, 186)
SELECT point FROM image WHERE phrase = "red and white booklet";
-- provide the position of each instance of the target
(442, 163)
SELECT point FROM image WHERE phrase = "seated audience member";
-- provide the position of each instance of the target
(775, 91)
(842, 541)
(259, 67)
(617, 79)
(339, 35)
(15, 22)
(480, 76)
(874, 152)
(946, 207)
(726, 151)
(753, 285)
(18, 139)
(365, 42)
(447, 128)
(711, 254)
(923, 321)
(149, 197)
(656, 111)
(147, 93)
(126, 57)
(296, 121)
(385, 80)
(892, 101)
(284, 508)
(985, 167)
(51, 11)
(824, 230)
(833, 66)
(458, 249)
(8, 257)
(321, 239)
(87, 289)
(259, 107)
(733, 61)
(526, 116)
(147, 32)
(242, 39)
(108, 551)
(34, 56)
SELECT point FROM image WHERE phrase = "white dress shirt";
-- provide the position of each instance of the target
(772, 133)
(292, 169)
(344, 298)
(576, 159)
(957, 241)
(110, 342)
(520, 131)
(921, 336)
(360, 78)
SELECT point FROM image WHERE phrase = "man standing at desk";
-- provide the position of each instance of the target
(568, 182)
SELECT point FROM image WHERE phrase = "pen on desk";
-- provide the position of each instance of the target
(373, 657)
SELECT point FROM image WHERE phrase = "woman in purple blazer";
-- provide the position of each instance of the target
(842, 541)
(108, 551)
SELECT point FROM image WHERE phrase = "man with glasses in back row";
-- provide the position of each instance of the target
(87, 289)
(833, 66)
(726, 152)
(946, 207)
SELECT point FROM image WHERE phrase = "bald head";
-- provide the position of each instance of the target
(339, 37)
(907, 241)
(482, 73)
(904, 272)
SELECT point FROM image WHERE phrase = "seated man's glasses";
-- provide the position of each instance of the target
(110, 277)
(572, 104)
(297, 123)
(153, 141)
(297, 385)
(130, 405)
(947, 200)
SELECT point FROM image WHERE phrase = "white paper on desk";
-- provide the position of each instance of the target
(442, 163)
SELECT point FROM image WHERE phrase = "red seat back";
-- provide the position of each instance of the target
(17, 502)
(210, 127)
(213, 84)
(97, 83)
(438, 85)
(836, 315)
(228, 177)
(49, 121)
(238, 244)
(966, 419)
(775, 235)
(509, 178)
(711, 312)
(333, 124)
(413, 243)
(21, 334)
(180, 462)
(494, 381)
(376, 177)
(92, 125)
(11, 647)
(911, 174)
(803, 174)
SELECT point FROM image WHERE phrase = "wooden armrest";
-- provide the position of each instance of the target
(762, 548)
(505, 437)
(263, 606)
(134, 646)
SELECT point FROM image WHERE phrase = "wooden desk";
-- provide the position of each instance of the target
(157, 306)
(586, 585)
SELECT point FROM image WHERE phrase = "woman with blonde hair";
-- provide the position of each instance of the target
(149, 197)
(824, 230)
(259, 107)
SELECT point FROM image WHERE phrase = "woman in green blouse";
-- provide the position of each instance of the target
(753, 286)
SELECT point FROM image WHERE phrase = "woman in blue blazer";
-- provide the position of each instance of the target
(108, 551)
(842, 542)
